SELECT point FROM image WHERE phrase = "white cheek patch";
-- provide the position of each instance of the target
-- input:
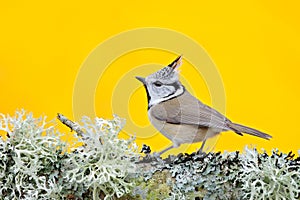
(159, 100)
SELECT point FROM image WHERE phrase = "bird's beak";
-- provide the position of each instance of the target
(176, 63)
(141, 79)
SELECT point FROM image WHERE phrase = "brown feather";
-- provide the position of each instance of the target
(186, 109)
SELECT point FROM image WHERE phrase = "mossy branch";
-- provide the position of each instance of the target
(33, 166)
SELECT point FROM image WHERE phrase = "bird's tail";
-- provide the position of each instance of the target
(239, 129)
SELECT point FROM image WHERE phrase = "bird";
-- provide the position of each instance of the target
(179, 115)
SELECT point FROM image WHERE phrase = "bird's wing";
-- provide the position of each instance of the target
(186, 109)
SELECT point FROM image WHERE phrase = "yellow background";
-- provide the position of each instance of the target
(255, 46)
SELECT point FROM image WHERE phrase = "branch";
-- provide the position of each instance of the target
(72, 125)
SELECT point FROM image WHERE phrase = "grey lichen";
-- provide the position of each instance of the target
(273, 177)
(102, 165)
(36, 164)
(217, 176)
(30, 158)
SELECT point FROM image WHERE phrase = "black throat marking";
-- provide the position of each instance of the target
(148, 96)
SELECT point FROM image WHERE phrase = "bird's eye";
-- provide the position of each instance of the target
(157, 83)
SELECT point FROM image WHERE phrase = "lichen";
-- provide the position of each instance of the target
(30, 158)
(250, 175)
(270, 177)
(36, 164)
(101, 166)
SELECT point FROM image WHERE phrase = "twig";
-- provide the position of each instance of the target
(72, 125)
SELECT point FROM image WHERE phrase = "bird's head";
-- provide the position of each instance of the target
(163, 84)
